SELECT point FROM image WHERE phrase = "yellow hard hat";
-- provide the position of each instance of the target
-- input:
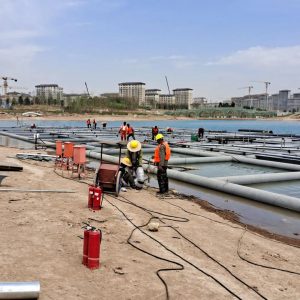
(134, 146)
(159, 136)
(126, 161)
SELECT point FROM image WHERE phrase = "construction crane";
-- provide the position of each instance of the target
(249, 93)
(5, 84)
(267, 83)
(87, 89)
(168, 85)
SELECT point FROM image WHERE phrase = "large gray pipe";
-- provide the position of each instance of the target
(261, 178)
(19, 290)
(195, 152)
(242, 159)
(198, 160)
(284, 201)
(288, 202)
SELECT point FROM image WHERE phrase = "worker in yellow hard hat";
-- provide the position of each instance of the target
(135, 155)
(162, 155)
(126, 174)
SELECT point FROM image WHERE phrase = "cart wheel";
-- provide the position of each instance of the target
(118, 183)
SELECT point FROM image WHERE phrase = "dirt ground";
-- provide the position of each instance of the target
(40, 240)
(155, 116)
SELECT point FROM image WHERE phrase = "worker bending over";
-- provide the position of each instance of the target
(135, 156)
(162, 154)
(126, 171)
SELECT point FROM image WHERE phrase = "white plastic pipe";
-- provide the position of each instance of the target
(284, 201)
(198, 160)
(241, 159)
(19, 290)
(261, 178)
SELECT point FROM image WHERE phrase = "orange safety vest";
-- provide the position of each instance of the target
(156, 152)
(129, 130)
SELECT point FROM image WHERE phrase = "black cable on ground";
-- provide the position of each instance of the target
(242, 224)
(198, 247)
(181, 219)
(240, 241)
(257, 264)
(180, 266)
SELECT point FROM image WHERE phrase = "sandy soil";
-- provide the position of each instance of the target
(39, 241)
(99, 118)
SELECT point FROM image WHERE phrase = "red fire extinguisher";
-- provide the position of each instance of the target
(91, 196)
(91, 247)
(97, 201)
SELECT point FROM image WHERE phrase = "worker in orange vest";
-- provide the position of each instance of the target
(123, 131)
(130, 132)
(162, 154)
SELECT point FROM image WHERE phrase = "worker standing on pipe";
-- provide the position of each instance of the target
(162, 154)
(130, 132)
(154, 132)
(123, 131)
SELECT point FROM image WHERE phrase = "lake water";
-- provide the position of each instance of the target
(292, 127)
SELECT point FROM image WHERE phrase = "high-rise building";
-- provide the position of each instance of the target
(152, 97)
(166, 101)
(135, 90)
(183, 98)
(47, 92)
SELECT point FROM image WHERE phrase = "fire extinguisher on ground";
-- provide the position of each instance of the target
(91, 247)
(95, 197)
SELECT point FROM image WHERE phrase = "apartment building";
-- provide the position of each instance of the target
(11, 98)
(135, 90)
(152, 97)
(166, 101)
(47, 92)
(198, 102)
(183, 98)
(282, 101)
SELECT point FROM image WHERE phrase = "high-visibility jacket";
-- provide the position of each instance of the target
(157, 149)
(123, 129)
(129, 130)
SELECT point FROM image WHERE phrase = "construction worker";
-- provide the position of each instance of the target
(88, 123)
(162, 154)
(135, 155)
(200, 133)
(130, 132)
(127, 177)
(154, 132)
(123, 131)
(94, 124)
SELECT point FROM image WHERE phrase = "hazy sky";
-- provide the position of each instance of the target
(212, 46)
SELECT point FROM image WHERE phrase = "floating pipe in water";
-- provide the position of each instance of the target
(261, 178)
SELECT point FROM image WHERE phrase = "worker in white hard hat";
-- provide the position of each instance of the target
(135, 155)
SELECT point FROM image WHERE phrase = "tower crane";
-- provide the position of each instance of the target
(5, 84)
(267, 83)
(249, 93)
(168, 84)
